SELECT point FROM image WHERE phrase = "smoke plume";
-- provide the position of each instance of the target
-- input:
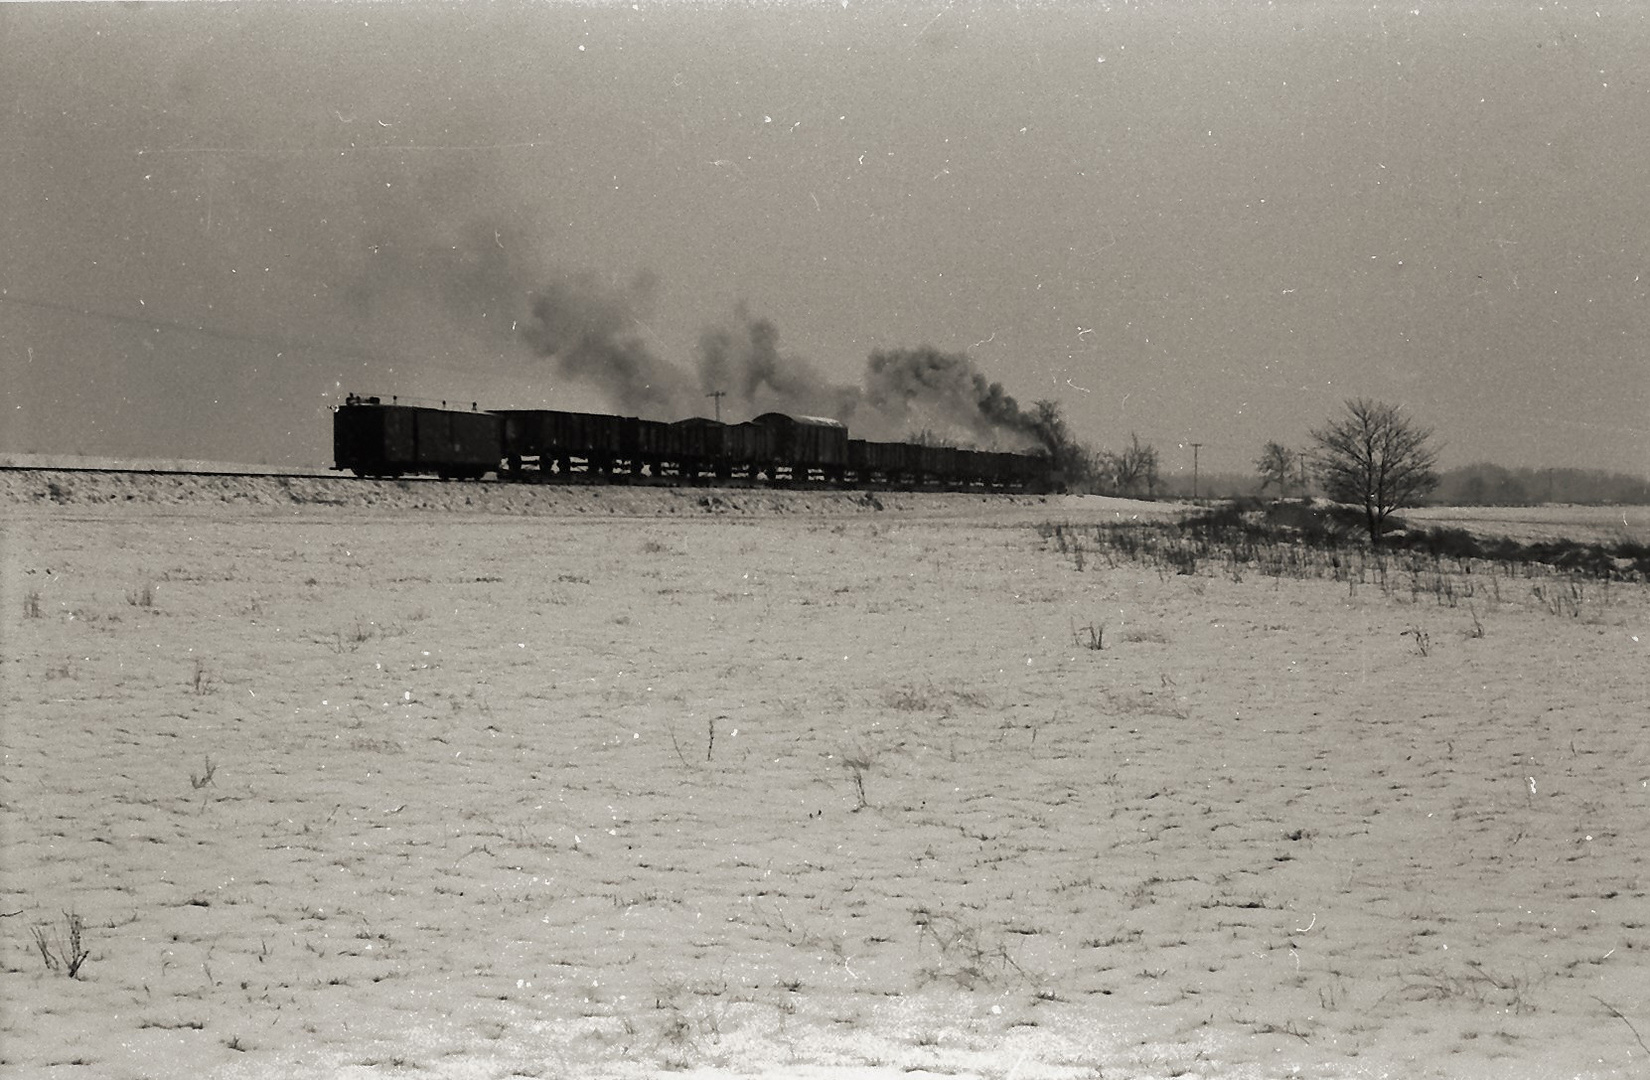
(901, 392)
(743, 360)
(594, 333)
(925, 388)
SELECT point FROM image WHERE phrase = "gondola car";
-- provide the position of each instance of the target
(554, 441)
(370, 438)
(592, 444)
(893, 464)
(803, 447)
(699, 446)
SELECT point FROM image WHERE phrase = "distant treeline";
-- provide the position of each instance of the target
(1485, 484)
(1481, 484)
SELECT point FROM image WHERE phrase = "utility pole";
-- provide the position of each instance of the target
(718, 395)
(1195, 447)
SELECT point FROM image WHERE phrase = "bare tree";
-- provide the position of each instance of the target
(1276, 465)
(1133, 468)
(1375, 457)
(1074, 462)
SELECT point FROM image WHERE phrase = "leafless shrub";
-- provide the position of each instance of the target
(43, 942)
(1477, 985)
(968, 956)
(1092, 636)
(1560, 598)
(62, 948)
(31, 604)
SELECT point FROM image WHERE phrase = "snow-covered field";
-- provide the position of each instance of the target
(608, 782)
(1587, 524)
(1543, 523)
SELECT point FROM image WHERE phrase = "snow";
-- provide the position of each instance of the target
(432, 779)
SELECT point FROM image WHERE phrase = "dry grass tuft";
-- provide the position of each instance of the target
(62, 948)
(859, 761)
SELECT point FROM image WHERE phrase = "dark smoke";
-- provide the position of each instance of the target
(903, 390)
(595, 336)
(743, 360)
(923, 387)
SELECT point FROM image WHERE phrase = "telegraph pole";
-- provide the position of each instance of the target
(718, 395)
(1195, 447)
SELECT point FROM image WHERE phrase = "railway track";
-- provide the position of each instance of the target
(198, 473)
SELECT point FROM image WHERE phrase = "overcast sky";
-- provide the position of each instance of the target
(1205, 222)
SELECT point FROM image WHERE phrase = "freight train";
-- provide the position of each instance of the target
(373, 438)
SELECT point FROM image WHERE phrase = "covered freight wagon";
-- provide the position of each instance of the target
(370, 438)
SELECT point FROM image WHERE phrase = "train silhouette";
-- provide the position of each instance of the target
(371, 437)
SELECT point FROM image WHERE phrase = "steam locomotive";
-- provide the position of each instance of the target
(374, 438)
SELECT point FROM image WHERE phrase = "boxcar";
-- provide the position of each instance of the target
(370, 438)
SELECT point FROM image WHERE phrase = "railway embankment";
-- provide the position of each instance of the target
(112, 489)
